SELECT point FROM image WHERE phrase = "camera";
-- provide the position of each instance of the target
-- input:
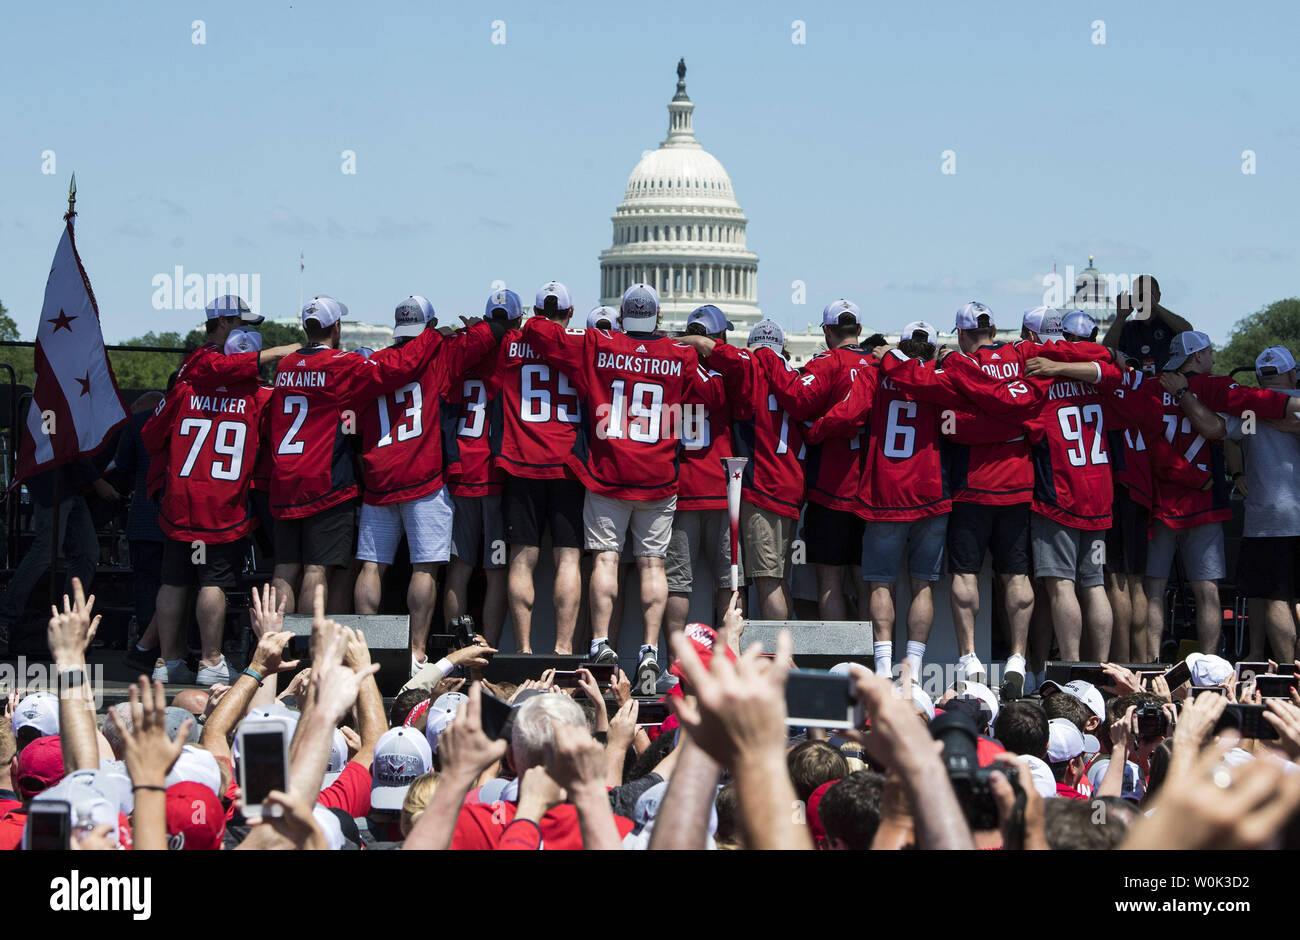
(1151, 721)
(969, 780)
(462, 628)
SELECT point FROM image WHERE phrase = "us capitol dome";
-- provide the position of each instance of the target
(680, 229)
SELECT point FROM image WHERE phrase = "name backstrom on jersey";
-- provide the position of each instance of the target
(625, 363)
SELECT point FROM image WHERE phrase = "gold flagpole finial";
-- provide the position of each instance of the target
(72, 198)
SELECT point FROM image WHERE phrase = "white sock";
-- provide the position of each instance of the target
(970, 664)
(595, 645)
(652, 649)
(884, 653)
(1015, 663)
(915, 654)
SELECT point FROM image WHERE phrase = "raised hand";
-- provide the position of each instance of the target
(264, 615)
(71, 630)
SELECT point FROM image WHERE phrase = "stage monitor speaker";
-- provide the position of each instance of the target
(842, 639)
(383, 631)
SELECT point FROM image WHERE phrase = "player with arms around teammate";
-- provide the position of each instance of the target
(635, 384)
(402, 468)
(540, 411)
(208, 439)
(210, 365)
(319, 393)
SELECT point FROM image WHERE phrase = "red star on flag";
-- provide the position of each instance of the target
(62, 322)
(735, 476)
(85, 384)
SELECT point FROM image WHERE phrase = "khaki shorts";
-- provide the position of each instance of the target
(701, 541)
(766, 538)
(606, 521)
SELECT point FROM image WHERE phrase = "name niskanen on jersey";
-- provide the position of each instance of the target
(300, 380)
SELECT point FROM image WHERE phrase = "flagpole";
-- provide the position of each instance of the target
(301, 265)
(55, 495)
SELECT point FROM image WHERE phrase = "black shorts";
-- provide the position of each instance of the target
(1269, 568)
(1126, 540)
(532, 506)
(327, 538)
(831, 536)
(974, 528)
(221, 566)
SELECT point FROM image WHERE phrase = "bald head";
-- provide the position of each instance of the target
(194, 701)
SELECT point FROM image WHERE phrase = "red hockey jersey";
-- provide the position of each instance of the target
(317, 389)
(540, 410)
(401, 430)
(706, 439)
(208, 440)
(473, 432)
(762, 430)
(634, 390)
(209, 367)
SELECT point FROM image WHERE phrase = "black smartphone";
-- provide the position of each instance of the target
(816, 699)
(494, 716)
(652, 713)
(1274, 686)
(603, 673)
(49, 826)
(1247, 719)
(299, 645)
(1090, 672)
(1208, 690)
(1180, 673)
(1286, 669)
(565, 679)
(1247, 670)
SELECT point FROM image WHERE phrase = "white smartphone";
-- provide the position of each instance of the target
(817, 699)
(263, 760)
(49, 826)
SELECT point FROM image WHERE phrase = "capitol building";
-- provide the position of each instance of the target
(680, 229)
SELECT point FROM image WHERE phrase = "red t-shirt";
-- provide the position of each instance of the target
(762, 430)
(316, 389)
(480, 826)
(11, 828)
(207, 441)
(540, 410)
(350, 792)
(633, 389)
(401, 430)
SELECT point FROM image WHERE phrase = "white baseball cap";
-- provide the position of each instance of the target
(1275, 357)
(1044, 779)
(1132, 788)
(921, 700)
(441, 712)
(324, 310)
(836, 309)
(556, 290)
(40, 710)
(1065, 741)
(1045, 321)
(1183, 346)
(640, 308)
(230, 305)
(711, 318)
(608, 315)
(241, 340)
(1078, 323)
(968, 317)
(1085, 692)
(195, 765)
(920, 326)
(412, 316)
(87, 803)
(1208, 670)
(338, 759)
(401, 755)
(767, 333)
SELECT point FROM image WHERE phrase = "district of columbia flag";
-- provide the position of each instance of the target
(76, 406)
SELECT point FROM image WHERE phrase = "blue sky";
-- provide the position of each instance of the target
(477, 161)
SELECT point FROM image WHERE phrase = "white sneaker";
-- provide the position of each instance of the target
(972, 668)
(176, 675)
(417, 665)
(222, 672)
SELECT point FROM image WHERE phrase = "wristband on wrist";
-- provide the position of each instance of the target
(147, 786)
(254, 675)
(72, 678)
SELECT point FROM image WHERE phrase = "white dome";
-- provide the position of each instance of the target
(677, 173)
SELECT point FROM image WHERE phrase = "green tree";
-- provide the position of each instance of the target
(8, 328)
(1278, 324)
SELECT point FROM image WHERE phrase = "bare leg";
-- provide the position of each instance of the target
(1122, 612)
(880, 607)
(604, 588)
(676, 611)
(1100, 630)
(1139, 646)
(654, 597)
(284, 578)
(523, 561)
(1066, 616)
(1209, 616)
(568, 596)
(1040, 629)
(313, 575)
(965, 608)
(1155, 590)
(455, 596)
(920, 615)
(369, 587)
(421, 596)
(830, 592)
(169, 615)
(342, 587)
(1018, 595)
(494, 605)
(773, 600)
(211, 612)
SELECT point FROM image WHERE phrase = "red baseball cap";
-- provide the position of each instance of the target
(40, 766)
(196, 820)
(814, 812)
(702, 638)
